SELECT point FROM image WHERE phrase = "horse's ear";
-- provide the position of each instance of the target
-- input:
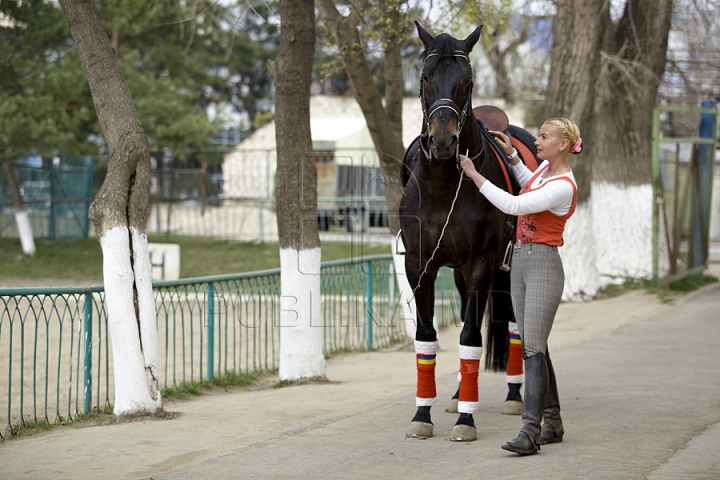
(424, 35)
(472, 39)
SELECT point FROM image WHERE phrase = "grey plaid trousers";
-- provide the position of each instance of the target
(536, 284)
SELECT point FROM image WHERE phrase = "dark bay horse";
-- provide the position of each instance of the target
(445, 221)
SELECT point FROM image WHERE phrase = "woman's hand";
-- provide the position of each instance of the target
(469, 169)
(467, 165)
(503, 140)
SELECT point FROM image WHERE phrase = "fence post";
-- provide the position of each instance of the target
(261, 220)
(52, 233)
(701, 206)
(210, 294)
(87, 363)
(369, 287)
(657, 195)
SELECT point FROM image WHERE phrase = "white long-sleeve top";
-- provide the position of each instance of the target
(544, 194)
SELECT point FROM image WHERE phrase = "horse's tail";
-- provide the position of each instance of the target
(500, 312)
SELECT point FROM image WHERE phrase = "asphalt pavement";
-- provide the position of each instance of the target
(640, 401)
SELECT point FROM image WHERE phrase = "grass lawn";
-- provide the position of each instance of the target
(81, 260)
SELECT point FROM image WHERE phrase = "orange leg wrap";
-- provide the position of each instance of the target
(515, 360)
(469, 384)
(425, 376)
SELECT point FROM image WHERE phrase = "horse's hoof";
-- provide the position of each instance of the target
(512, 407)
(453, 406)
(463, 433)
(420, 430)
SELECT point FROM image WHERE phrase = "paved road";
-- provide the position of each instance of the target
(632, 398)
(639, 383)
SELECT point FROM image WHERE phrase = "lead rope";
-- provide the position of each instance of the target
(440, 239)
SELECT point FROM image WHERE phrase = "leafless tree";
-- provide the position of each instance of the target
(383, 120)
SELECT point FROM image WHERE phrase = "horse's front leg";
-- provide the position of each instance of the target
(478, 284)
(462, 290)
(426, 345)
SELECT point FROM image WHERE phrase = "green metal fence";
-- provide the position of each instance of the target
(57, 193)
(682, 177)
(55, 354)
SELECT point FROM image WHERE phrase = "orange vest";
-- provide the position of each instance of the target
(544, 227)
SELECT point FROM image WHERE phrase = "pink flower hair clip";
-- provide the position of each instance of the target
(577, 148)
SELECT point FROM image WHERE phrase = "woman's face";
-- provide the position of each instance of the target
(549, 143)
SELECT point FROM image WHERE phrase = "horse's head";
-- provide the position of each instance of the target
(445, 90)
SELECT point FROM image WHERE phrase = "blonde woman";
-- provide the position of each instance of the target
(546, 201)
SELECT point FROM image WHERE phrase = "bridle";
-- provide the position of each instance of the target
(460, 113)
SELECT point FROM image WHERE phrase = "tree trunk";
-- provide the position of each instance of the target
(634, 57)
(633, 63)
(496, 57)
(119, 214)
(605, 77)
(301, 333)
(21, 217)
(383, 122)
(578, 30)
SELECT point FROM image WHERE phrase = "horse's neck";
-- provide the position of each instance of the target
(470, 140)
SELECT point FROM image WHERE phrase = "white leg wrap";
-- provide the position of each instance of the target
(515, 378)
(470, 353)
(426, 348)
(425, 402)
(467, 407)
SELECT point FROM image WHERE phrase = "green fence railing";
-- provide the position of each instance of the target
(682, 178)
(55, 357)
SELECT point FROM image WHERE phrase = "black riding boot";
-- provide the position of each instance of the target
(536, 386)
(552, 430)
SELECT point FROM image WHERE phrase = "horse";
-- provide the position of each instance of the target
(500, 308)
(445, 221)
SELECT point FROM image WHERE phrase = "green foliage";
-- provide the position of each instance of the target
(688, 284)
(227, 380)
(27, 427)
(263, 118)
(81, 260)
(43, 96)
(665, 294)
(175, 59)
(375, 29)
(462, 16)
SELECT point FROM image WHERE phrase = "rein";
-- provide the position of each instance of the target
(442, 233)
(447, 220)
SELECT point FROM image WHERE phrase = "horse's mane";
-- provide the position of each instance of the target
(444, 45)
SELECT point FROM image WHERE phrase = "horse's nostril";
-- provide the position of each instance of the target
(454, 138)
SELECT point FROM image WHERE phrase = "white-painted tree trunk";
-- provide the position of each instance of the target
(135, 350)
(407, 301)
(582, 280)
(301, 328)
(622, 219)
(25, 232)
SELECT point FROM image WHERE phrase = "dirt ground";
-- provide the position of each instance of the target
(220, 422)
